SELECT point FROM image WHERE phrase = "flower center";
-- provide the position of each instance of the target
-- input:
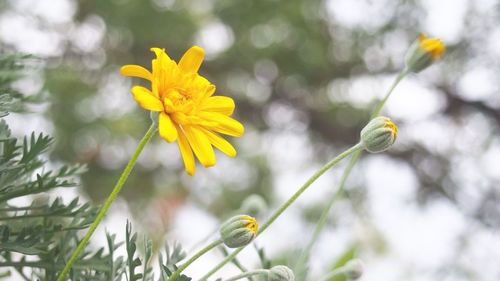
(176, 100)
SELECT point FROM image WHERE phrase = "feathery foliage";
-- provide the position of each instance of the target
(36, 237)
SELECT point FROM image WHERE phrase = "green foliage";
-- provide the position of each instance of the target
(37, 238)
(11, 69)
(172, 256)
(265, 262)
(132, 261)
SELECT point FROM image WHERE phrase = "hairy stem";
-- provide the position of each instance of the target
(107, 204)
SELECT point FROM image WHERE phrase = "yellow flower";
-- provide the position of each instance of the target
(432, 46)
(188, 111)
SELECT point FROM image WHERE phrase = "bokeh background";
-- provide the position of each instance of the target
(305, 76)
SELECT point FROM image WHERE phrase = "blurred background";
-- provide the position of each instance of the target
(305, 76)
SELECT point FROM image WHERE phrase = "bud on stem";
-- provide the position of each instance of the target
(238, 231)
(379, 134)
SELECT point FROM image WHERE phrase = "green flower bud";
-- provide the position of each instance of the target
(379, 134)
(238, 231)
(280, 273)
(353, 269)
(253, 205)
(423, 52)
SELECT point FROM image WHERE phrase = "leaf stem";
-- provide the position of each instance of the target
(285, 205)
(107, 204)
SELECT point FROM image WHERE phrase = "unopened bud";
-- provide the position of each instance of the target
(238, 231)
(254, 205)
(379, 134)
(280, 273)
(353, 269)
(423, 52)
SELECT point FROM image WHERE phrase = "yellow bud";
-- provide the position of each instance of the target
(379, 134)
(423, 52)
(238, 231)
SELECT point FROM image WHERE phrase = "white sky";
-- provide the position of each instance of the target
(419, 240)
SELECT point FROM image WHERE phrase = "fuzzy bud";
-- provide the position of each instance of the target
(254, 205)
(379, 134)
(423, 52)
(238, 231)
(353, 269)
(280, 273)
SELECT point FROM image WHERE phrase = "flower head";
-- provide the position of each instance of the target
(423, 52)
(254, 205)
(433, 46)
(280, 273)
(188, 111)
(238, 231)
(379, 134)
(353, 269)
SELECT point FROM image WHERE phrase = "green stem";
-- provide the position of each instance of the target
(107, 204)
(304, 256)
(302, 261)
(248, 274)
(285, 205)
(235, 261)
(337, 272)
(381, 104)
(200, 253)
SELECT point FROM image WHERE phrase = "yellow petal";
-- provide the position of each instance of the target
(222, 144)
(191, 60)
(160, 53)
(223, 124)
(145, 99)
(135, 71)
(220, 104)
(201, 145)
(186, 152)
(167, 128)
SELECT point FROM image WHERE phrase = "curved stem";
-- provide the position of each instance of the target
(200, 253)
(302, 261)
(248, 274)
(107, 204)
(285, 205)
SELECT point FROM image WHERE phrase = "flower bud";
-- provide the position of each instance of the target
(423, 52)
(280, 273)
(238, 231)
(253, 205)
(379, 134)
(353, 269)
